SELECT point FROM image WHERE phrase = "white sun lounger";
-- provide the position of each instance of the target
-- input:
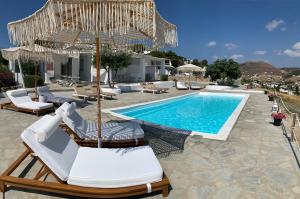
(181, 86)
(20, 101)
(83, 171)
(50, 97)
(195, 86)
(113, 133)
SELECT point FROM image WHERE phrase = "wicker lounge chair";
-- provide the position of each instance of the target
(181, 86)
(50, 97)
(114, 134)
(195, 86)
(83, 171)
(20, 101)
(151, 88)
(82, 92)
(103, 94)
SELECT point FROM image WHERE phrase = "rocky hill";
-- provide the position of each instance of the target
(259, 68)
(290, 72)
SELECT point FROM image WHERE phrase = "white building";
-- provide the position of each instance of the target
(144, 68)
(79, 67)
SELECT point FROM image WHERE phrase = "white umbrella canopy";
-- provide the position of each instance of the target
(26, 54)
(117, 23)
(89, 24)
(189, 68)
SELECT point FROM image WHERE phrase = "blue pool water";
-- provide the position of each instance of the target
(205, 112)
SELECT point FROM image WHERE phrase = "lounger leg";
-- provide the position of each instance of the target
(2, 188)
(165, 192)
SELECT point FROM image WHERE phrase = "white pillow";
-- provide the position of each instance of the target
(71, 109)
(43, 132)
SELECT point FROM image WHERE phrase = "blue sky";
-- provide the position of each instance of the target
(267, 30)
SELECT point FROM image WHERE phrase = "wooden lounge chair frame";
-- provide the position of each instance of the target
(84, 94)
(107, 95)
(105, 144)
(193, 88)
(61, 187)
(150, 88)
(37, 112)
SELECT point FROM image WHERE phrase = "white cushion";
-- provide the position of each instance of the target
(181, 85)
(18, 96)
(58, 152)
(89, 130)
(34, 105)
(71, 109)
(45, 131)
(114, 168)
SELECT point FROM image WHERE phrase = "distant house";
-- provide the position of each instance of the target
(144, 68)
(79, 67)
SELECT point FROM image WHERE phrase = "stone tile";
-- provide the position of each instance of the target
(255, 162)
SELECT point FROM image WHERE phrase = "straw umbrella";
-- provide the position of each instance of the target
(61, 24)
(189, 68)
(25, 54)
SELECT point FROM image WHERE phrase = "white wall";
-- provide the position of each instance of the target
(134, 73)
(85, 67)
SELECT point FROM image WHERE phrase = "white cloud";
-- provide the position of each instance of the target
(272, 25)
(297, 46)
(237, 56)
(215, 57)
(231, 46)
(260, 52)
(211, 43)
(294, 52)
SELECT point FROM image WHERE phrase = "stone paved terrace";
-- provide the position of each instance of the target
(255, 162)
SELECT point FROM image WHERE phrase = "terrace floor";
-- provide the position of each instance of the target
(255, 162)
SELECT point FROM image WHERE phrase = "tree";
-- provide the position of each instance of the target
(114, 61)
(3, 61)
(28, 67)
(297, 90)
(204, 63)
(196, 62)
(224, 70)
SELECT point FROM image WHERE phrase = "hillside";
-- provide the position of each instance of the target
(290, 72)
(259, 68)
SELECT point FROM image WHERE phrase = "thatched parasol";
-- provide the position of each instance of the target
(63, 24)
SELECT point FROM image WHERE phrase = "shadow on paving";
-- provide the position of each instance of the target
(165, 141)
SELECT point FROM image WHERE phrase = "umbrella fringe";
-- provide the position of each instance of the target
(123, 23)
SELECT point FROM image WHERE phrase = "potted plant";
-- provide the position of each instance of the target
(278, 117)
(271, 97)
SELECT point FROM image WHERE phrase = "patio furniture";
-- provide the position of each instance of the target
(195, 86)
(51, 98)
(83, 171)
(85, 133)
(21, 102)
(104, 93)
(181, 86)
(151, 88)
(81, 92)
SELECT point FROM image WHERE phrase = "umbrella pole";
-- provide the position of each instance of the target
(98, 90)
(35, 81)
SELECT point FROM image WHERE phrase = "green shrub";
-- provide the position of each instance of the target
(164, 78)
(7, 79)
(29, 81)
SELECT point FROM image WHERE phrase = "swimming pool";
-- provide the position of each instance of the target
(211, 115)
